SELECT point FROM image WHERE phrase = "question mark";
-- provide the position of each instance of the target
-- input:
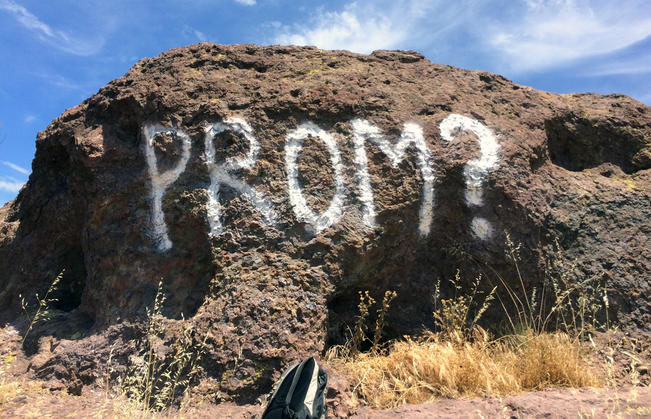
(475, 171)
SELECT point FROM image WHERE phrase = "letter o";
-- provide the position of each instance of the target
(293, 146)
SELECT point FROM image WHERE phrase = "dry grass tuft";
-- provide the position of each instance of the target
(420, 370)
(550, 359)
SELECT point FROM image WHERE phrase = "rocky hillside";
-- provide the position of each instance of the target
(266, 186)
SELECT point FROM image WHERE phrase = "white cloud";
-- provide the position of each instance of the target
(16, 167)
(27, 19)
(11, 185)
(554, 32)
(29, 119)
(358, 28)
(47, 34)
(246, 2)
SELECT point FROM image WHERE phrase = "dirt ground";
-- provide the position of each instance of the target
(551, 403)
(23, 396)
(624, 402)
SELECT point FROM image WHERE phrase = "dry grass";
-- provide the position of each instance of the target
(550, 359)
(435, 366)
(157, 378)
(544, 348)
(42, 312)
(23, 396)
(33, 398)
(9, 390)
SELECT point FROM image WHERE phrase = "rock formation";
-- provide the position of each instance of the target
(266, 186)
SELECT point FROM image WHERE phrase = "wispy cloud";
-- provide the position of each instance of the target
(200, 36)
(27, 19)
(58, 81)
(190, 33)
(56, 38)
(548, 33)
(645, 97)
(10, 185)
(359, 27)
(16, 167)
(29, 118)
(246, 2)
(640, 64)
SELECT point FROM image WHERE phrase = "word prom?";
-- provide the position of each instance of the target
(225, 173)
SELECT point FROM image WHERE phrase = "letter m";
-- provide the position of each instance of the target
(412, 135)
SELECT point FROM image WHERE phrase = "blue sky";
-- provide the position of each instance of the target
(54, 54)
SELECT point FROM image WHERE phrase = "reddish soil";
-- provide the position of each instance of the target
(21, 395)
(622, 402)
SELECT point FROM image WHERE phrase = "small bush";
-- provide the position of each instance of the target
(454, 316)
(358, 335)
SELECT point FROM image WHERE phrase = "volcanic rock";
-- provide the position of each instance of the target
(264, 187)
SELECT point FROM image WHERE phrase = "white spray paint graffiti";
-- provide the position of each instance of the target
(293, 145)
(476, 170)
(222, 174)
(412, 134)
(161, 181)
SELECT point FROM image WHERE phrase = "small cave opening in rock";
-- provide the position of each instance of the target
(343, 314)
(64, 297)
(577, 143)
(407, 269)
(404, 315)
(68, 292)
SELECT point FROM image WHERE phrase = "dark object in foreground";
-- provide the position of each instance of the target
(299, 393)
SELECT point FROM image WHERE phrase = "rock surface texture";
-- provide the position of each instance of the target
(266, 186)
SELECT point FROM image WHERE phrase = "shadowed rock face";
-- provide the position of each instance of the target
(266, 186)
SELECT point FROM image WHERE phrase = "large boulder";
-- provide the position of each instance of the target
(266, 186)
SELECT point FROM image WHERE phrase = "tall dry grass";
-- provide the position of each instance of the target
(543, 348)
(156, 378)
(43, 306)
(432, 367)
